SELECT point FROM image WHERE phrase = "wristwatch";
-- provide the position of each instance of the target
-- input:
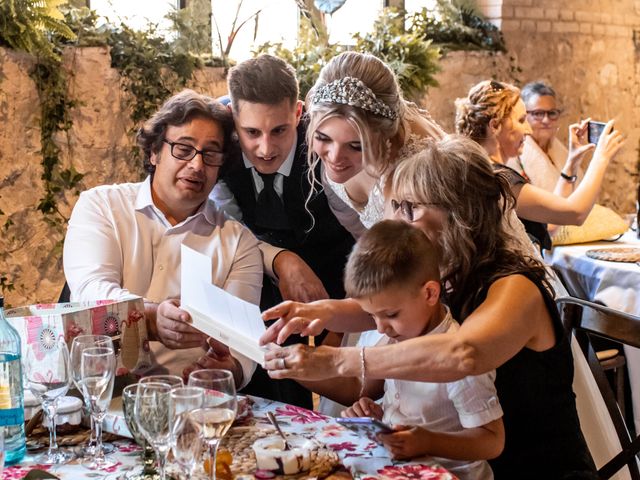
(569, 178)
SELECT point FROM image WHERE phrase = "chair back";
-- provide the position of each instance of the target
(585, 319)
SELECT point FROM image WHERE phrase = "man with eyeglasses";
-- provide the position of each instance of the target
(545, 161)
(125, 239)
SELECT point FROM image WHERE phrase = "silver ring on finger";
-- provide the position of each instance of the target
(283, 365)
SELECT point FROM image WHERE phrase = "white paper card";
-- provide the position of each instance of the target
(229, 319)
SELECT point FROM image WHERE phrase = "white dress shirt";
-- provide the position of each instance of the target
(226, 201)
(445, 407)
(119, 243)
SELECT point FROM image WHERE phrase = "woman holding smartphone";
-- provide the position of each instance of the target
(494, 115)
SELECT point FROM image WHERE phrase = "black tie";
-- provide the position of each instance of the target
(270, 213)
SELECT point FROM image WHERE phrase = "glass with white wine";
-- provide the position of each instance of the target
(218, 411)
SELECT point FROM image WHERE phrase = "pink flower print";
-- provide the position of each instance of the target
(40, 338)
(415, 472)
(17, 471)
(129, 448)
(104, 323)
(46, 306)
(134, 317)
(332, 430)
(301, 415)
(104, 302)
(73, 330)
(339, 447)
(112, 468)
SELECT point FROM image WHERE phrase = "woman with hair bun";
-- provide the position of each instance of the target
(494, 115)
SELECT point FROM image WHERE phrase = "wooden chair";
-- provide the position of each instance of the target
(586, 319)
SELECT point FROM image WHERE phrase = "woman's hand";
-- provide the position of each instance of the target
(219, 357)
(610, 142)
(579, 146)
(294, 317)
(302, 362)
(365, 407)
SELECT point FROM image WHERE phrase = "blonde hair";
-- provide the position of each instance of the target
(375, 131)
(456, 175)
(486, 101)
(391, 253)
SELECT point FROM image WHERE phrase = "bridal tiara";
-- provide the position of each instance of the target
(352, 91)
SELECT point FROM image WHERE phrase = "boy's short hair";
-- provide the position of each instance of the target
(391, 253)
(263, 79)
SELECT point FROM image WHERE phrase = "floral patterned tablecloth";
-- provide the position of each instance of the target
(363, 458)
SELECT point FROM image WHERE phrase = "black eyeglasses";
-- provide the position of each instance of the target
(186, 153)
(496, 86)
(539, 115)
(406, 208)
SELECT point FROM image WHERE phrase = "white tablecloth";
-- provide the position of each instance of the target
(615, 284)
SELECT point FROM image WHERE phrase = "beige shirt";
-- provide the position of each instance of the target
(119, 244)
(542, 169)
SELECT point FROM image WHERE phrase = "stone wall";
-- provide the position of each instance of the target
(584, 48)
(98, 145)
(589, 51)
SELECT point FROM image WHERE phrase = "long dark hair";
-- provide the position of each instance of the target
(456, 175)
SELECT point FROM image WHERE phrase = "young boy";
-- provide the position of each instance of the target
(392, 273)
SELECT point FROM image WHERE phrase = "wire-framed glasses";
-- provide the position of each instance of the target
(539, 114)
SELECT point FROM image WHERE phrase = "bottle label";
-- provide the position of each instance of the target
(11, 416)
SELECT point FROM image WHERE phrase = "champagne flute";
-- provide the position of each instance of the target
(98, 371)
(151, 413)
(214, 419)
(185, 440)
(148, 470)
(78, 345)
(49, 378)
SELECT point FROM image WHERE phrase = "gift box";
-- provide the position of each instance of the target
(41, 325)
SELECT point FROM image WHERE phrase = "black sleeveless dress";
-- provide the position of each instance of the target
(537, 231)
(543, 436)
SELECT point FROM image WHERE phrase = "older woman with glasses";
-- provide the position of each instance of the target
(502, 299)
(544, 160)
(494, 115)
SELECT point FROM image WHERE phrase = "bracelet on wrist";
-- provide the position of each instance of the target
(569, 178)
(363, 373)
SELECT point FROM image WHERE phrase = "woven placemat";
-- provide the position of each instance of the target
(40, 436)
(629, 254)
(238, 442)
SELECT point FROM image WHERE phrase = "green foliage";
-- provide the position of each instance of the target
(308, 57)
(193, 28)
(413, 59)
(141, 57)
(455, 25)
(27, 24)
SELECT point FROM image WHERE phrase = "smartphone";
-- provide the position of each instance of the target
(366, 426)
(594, 130)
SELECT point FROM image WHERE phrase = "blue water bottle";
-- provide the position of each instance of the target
(11, 393)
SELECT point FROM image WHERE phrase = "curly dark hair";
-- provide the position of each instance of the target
(178, 110)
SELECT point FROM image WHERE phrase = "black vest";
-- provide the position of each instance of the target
(316, 234)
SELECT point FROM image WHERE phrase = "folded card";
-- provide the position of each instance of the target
(229, 319)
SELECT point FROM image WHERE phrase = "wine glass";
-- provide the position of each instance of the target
(151, 413)
(185, 440)
(173, 381)
(148, 470)
(97, 374)
(78, 345)
(48, 376)
(214, 419)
